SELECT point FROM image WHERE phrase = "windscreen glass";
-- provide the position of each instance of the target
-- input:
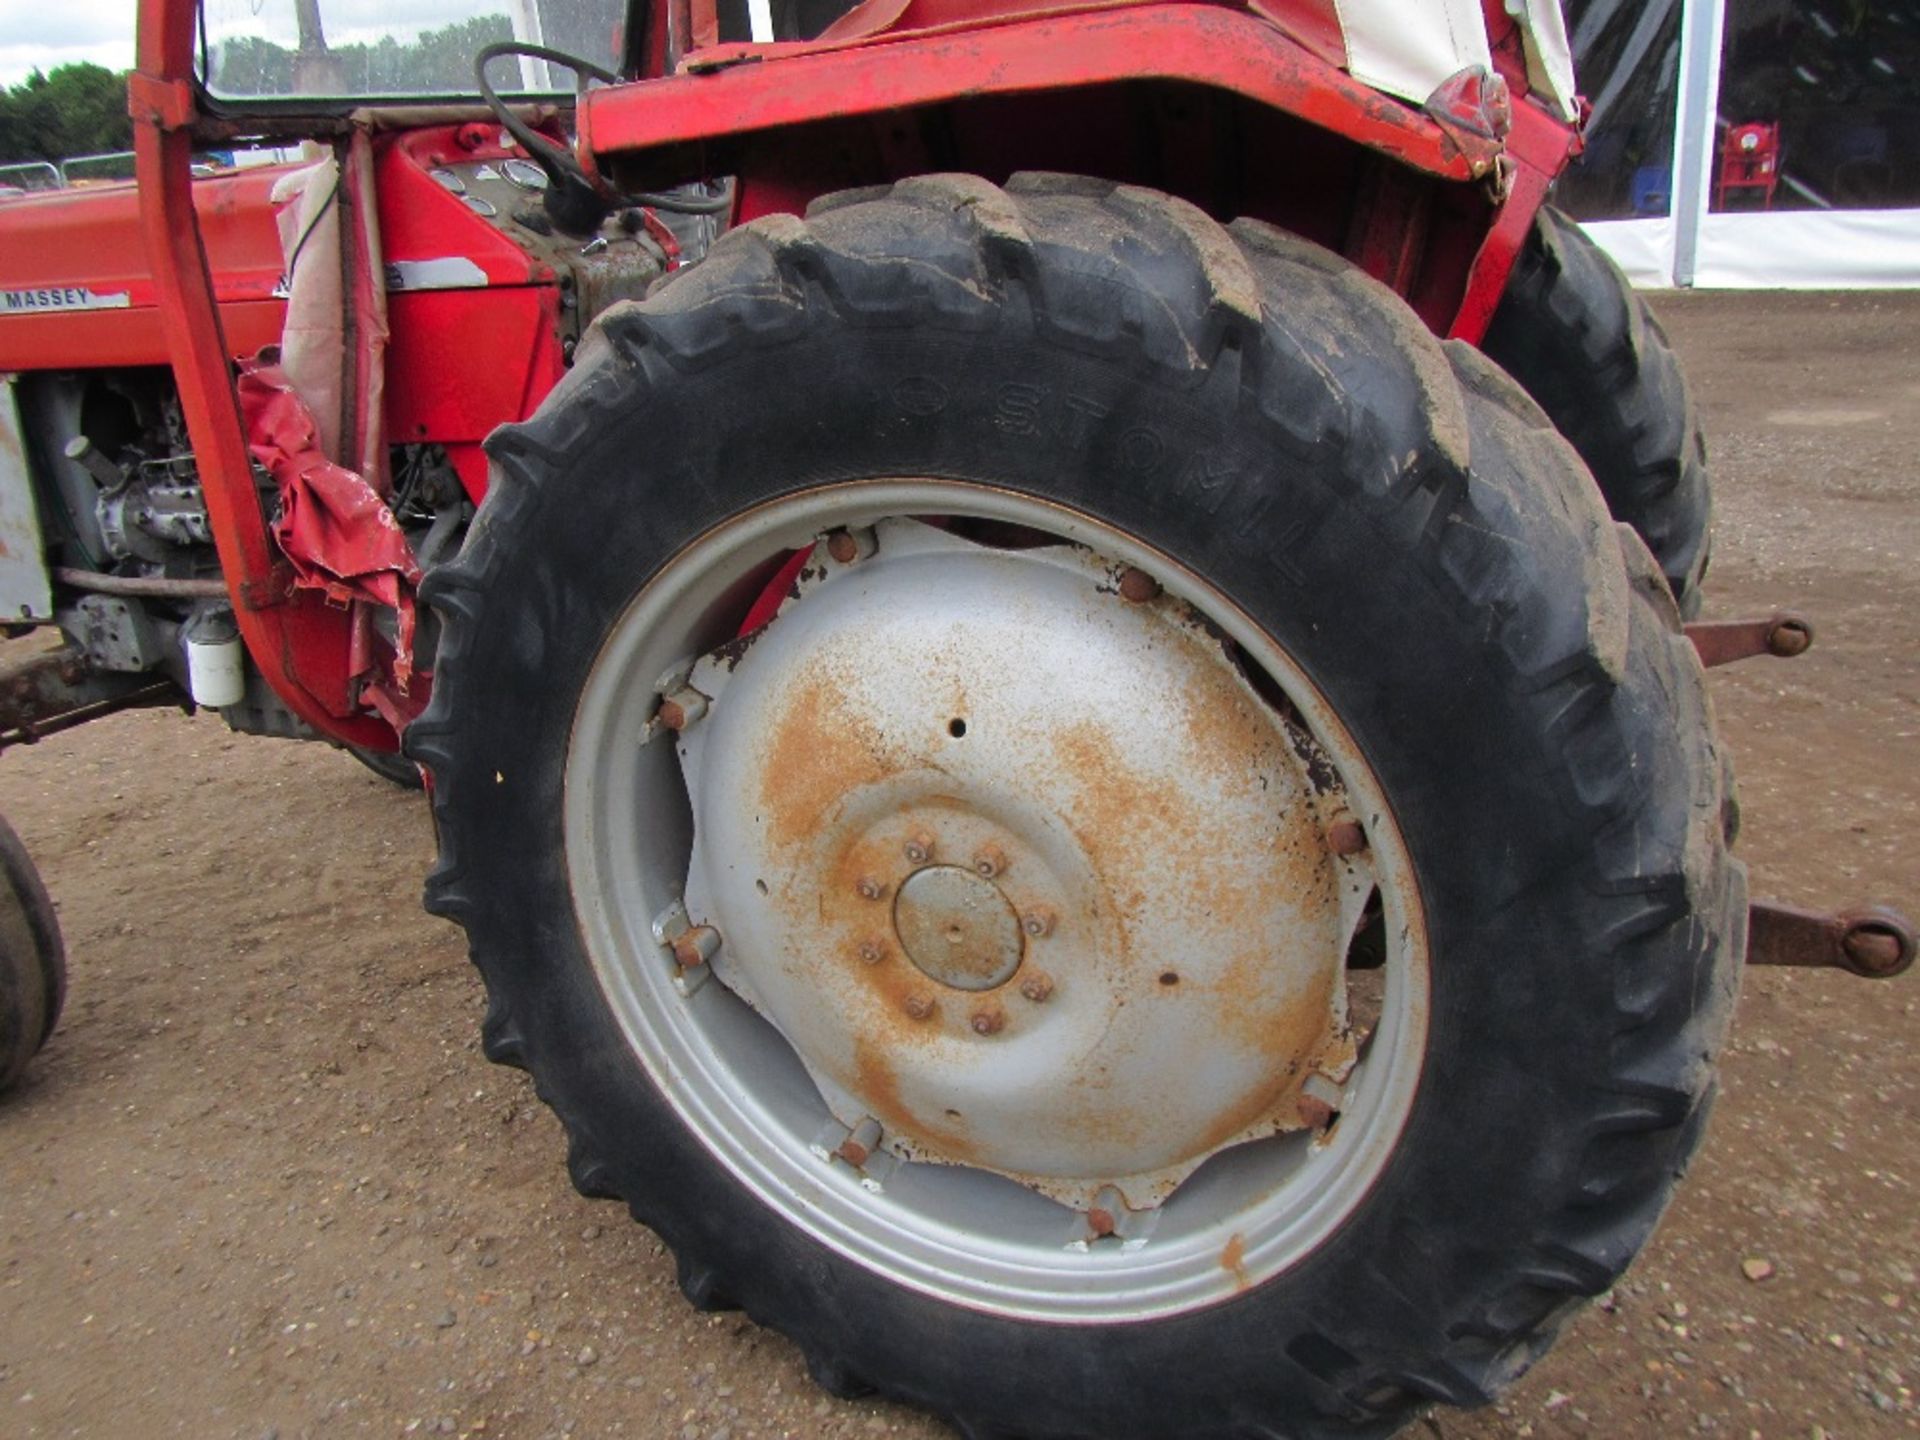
(395, 49)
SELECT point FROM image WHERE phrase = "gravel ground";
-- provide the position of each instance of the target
(261, 1183)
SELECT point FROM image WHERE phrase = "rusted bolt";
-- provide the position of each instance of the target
(695, 946)
(1346, 837)
(1791, 636)
(1875, 951)
(847, 546)
(872, 952)
(1137, 586)
(988, 1020)
(1101, 1222)
(1036, 988)
(919, 1005)
(870, 888)
(1319, 1101)
(860, 1143)
(990, 861)
(1037, 922)
(682, 708)
(920, 848)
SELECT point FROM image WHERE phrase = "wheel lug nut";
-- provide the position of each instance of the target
(1346, 837)
(919, 1006)
(920, 849)
(695, 946)
(682, 708)
(1320, 1100)
(847, 546)
(1036, 988)
(1037, 922)
(870, 888)
(990, 861)
(860, 1143)
(1137, 586)
(988, 1020)
(872, 952)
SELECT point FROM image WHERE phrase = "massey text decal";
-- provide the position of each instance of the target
(59, 297)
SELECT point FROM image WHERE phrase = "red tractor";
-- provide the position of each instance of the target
(1048, 641)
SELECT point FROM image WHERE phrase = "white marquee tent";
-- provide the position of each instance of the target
(1753, 144)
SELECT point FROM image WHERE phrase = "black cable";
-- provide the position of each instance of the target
(534, 143)
(293, 260)
(559, 163)
(720, 204)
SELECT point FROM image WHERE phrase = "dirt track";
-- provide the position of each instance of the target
(262, 1183)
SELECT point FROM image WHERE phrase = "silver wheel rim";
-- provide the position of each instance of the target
(1243, 1214)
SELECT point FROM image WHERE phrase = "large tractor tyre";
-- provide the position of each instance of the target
(1572, 331)
(33, 965)
(954, 968)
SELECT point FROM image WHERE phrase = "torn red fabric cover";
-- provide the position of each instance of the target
(334, 528)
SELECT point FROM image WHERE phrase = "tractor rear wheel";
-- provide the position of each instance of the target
(1572, 331)
(33, 966)
(1084, 819)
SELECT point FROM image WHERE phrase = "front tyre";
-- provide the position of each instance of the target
(33, 964)
(389, 765)
(1587, 348)
(1084, 819)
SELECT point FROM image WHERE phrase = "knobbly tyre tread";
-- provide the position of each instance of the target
(1571, 329)
(1436, 465)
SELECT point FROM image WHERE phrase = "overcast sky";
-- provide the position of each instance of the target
(46, 33)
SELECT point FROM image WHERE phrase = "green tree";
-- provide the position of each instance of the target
(78, 109)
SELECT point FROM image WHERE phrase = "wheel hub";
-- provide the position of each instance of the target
(1021, 866)
(957, 928)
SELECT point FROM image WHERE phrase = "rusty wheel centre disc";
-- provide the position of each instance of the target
(1024, 869)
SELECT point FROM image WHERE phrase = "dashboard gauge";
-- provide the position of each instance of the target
(525, 174)
(449, 180)
(479, 206)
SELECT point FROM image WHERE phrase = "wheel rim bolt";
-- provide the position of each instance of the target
(1136, 586)
(872, 952)
(696, 946)
(682, 708)
(1037, 923)
(1346, 837)
(988, 1020)
(860, 1143)
(990, 862)
(847, 546)
(919, 1006)
(1320, 1100)
(919, 849)
(1101, 1222)
(870, 888)
(1036, 988)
